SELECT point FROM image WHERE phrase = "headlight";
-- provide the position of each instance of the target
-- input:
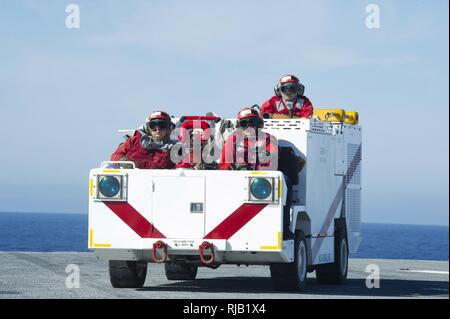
(109, 186)
(261, 188)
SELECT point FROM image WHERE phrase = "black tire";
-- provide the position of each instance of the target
(335, 273)
(292, 276)
(180, 271)
(127, 273)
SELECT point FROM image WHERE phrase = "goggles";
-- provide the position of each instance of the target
(158, 124)
(249, 122)
(290, 88)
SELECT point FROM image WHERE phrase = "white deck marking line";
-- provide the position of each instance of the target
(436, 272)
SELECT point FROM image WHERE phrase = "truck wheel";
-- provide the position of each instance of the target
(335, 273)
(292, 276)
(127, 273)
(180, 271)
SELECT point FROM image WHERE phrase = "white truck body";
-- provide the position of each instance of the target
(184, 208)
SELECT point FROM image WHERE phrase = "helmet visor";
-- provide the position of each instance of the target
(249, 122)
(157, 124)
(290, 88)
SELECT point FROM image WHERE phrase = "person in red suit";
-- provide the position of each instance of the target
(149, 147)
(289, 100)
(249, 148)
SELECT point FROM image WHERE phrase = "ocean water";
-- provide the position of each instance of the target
(68, 232)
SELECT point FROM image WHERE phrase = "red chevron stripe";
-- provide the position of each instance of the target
(134, 220)
(230, 225)
(227, 228)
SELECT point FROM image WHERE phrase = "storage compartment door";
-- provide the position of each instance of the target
(178, 207)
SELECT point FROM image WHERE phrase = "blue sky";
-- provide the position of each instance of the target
(64, 93)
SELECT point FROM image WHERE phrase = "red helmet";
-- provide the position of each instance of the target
(248, 114)
(159, 115)
(289, 79)
(289, 84)
(158, 118)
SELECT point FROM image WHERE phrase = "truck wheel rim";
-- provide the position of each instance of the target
(302, 261)
(344, 257)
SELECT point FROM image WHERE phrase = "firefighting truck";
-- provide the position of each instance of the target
(188, 218)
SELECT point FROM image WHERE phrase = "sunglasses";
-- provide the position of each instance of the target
(157, 125)
(250, 122)
(290, 89)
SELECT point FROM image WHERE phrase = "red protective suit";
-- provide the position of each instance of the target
(143, 158)
(276, 105)
(235, 152)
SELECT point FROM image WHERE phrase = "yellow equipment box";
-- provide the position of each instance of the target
(330, 115)
(351, 118)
